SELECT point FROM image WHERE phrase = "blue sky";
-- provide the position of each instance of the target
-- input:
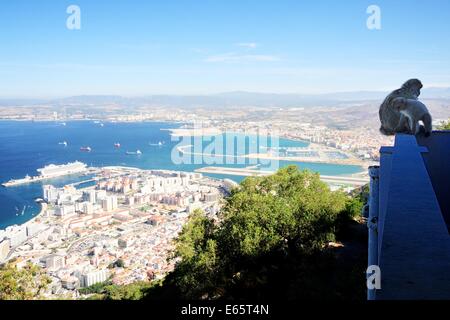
(139, 47)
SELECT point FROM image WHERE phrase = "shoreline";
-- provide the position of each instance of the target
(351, 160)
(43, 208)
(41, 212)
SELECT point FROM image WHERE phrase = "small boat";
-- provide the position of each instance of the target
(86, 149)
(101, 124)
(137, 152)
(63, 123)
(159, 144)
(23, 210)
(64, 143)
(117, 145)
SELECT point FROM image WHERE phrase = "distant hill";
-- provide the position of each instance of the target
(228, 99)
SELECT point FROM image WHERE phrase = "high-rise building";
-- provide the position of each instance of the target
(19, 236)
(90, 196)
(4, 249)
(64, 210)
(34, 228)
(54, 262)
(109, 203)
(50, 193)
(89, 278)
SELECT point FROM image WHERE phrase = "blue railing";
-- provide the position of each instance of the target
(409, 239)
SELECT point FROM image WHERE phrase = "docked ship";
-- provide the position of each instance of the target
(86, 149)
(50, 171)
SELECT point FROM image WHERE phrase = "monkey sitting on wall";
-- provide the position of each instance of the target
(390, 116)
(413, 111)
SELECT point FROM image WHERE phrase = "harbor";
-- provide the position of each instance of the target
(49, 172)
(137, 136)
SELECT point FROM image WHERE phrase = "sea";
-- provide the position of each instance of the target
(27, 145)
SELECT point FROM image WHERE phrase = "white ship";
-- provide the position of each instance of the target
(50, 171)
(159, 144)
(137, 152)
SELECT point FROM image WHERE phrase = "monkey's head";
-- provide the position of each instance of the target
(412, 87)
(399, 103)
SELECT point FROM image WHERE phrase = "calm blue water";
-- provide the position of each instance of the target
(27, 146)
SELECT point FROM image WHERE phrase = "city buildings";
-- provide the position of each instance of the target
(129, 215)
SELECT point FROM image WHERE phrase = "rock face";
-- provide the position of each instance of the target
(390, 117)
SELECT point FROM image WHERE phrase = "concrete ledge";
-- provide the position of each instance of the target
(414, 244)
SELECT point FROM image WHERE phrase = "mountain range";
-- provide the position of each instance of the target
(228, 99)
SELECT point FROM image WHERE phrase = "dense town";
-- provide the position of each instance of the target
(118, 229)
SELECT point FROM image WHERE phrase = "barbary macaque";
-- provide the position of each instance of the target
(413, 111)
(390, 116)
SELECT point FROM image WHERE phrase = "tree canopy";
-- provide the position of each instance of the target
(273, 232)
(273, 241)
(26, 283)
(445, 125)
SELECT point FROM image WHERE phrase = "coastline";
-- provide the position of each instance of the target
(34, 218)
(37, 215)
(40, 213)
(351, 160)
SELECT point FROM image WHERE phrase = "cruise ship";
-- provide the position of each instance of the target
(50, 171)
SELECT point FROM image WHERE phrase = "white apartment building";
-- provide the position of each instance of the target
(109, 203)
(17, 235)
(54, 262)
(4, 249)
(64, 210)
(88, 278)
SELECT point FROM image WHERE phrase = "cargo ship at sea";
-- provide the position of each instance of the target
(49, 172)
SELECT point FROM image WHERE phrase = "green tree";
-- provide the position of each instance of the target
(271, 241)
(196, 252)
(133, 291)
(120, 263)
(27, 283)
(445, 125)
(95, 288)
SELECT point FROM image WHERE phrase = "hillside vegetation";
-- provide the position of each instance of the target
(284, 236)
(276, 240)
